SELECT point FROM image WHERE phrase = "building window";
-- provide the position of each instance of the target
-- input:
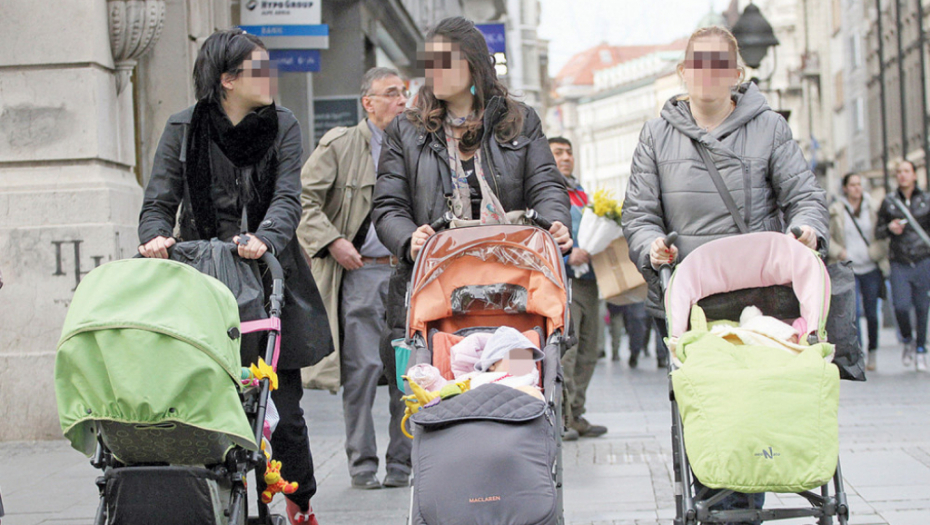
(858, 114)
(855, 51)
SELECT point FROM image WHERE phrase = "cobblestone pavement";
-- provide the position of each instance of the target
(621, 478)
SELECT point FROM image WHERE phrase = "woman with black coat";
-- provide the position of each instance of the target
(467, 147)
(231, 156)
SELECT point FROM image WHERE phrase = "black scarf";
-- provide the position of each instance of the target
(246, 144)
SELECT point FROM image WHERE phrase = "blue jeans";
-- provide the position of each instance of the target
(910, 284)
(868, 286)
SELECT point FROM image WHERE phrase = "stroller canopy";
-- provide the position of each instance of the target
(752, 260)
(504, 267)
(147, 343)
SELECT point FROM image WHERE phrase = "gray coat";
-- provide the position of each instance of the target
(671, 190)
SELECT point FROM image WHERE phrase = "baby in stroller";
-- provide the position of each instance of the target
(505, 357)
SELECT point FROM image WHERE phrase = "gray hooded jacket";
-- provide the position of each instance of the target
(671, 190)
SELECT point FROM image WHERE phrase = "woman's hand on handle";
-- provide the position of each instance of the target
(808, 236)
(254, 249)
(562, 236)
(418, 239)
(660, 254)
(157, 248)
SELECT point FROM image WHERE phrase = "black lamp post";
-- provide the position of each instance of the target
(754, 35)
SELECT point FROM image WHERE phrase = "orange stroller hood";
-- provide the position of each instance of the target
(452, 260)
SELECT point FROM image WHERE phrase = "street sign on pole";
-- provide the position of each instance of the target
(285, 24)
(296, 60)
(495, 35)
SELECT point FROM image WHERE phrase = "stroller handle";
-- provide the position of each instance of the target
(665, 271)
(277, 273)
(539, 220)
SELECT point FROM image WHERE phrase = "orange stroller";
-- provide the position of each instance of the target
(492, 454)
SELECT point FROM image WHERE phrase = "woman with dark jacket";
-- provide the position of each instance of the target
(763, 169)
(467, 147)
(233, 156)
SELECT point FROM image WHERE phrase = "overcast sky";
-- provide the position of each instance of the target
(575, 25)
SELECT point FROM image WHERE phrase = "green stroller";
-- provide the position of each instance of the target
(149, 385)
(752, 412)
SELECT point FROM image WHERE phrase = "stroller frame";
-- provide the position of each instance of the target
(692, 508)
(551, 369)
(239, 462)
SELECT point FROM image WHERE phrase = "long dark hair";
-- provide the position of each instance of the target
(223, 52)
(430, 112)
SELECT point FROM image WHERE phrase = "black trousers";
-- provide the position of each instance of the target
(290, 443)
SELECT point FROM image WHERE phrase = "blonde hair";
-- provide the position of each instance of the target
(718, 32)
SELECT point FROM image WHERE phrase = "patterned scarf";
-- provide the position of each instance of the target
(491, 210)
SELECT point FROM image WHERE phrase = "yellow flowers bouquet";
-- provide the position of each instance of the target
(605, 205)
(600, 225)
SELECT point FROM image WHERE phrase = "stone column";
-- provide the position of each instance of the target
(69, 200)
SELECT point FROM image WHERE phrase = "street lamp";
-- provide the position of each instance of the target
(754, 35)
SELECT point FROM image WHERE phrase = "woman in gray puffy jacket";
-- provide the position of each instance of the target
(671, 189)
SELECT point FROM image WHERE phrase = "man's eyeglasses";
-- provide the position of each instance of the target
(259, 68)
(435, 60)
(710, 60)
(394, 93)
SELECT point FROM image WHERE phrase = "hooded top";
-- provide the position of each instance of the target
(670, 188)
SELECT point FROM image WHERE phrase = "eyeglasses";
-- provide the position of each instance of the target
(394, 93)
(435, 60)
(259, 68)
(710, 60)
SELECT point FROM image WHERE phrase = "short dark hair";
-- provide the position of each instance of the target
(560, 140)
(222, 52)
(848, 176)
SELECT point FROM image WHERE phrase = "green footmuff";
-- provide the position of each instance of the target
(147, 357)
(757, 419)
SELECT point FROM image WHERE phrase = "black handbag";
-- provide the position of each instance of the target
(841, 319)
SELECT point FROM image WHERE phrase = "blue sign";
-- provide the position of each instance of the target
(495, 34)
(280, 36)
(282, 30)
(296, 60)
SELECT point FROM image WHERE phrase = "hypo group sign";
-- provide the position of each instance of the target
(285, 24)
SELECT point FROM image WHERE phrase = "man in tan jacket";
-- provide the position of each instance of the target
(352, 268)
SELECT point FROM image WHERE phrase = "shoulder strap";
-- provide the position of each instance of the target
(856, 224)
(721, 187)
(910, 219)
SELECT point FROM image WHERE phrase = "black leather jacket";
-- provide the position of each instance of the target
(906, 248)
(409, 191)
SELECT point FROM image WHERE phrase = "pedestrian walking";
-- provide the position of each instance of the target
(852, 221)
(231, 163)
(635, 321)
(717, 162)
(468, 135)
(904, 217)
(579, 361)
(353, 269)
